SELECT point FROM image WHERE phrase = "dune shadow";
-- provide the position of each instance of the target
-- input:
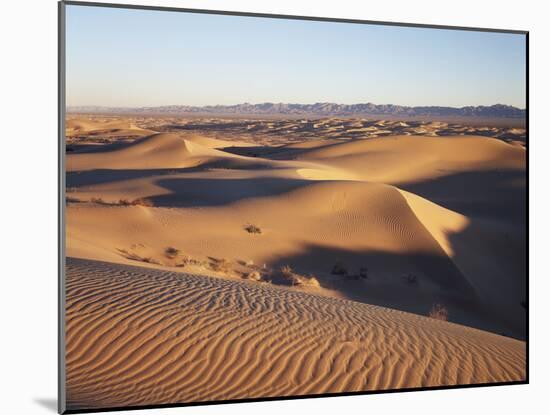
(495, 260)
(101, 176)
(415, 282)
(493, 194)
(199, 192)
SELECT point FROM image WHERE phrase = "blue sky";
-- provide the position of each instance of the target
(123, 57)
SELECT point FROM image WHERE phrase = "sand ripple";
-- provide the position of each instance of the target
(140, 336)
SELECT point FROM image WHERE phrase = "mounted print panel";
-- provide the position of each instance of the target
(261, 207)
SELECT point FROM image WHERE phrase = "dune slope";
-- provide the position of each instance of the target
(138, 337)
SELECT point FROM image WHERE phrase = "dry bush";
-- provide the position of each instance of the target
(220, 265)
(306, 281)
(295, 279)
(439, 312)
(253, 229)
(171, 252)
(135, 257)
(150, 260)
(286, 271)
(253, 276)
(143, 201)
(339, 269)
(190, 261)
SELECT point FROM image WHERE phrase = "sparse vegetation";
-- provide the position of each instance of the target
(220, 265)
(124, 202)
(97, 200)
(190, 261)
(339, 269)
(286, 271)
(253, 229)
(135, 257)
(306, 281)
(295, 279)
(439, 312)
(253, 276)
(143, 201)
(171, 252)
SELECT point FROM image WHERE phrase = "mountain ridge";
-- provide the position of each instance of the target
(319, 108)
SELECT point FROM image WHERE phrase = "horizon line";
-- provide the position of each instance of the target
(292, 103)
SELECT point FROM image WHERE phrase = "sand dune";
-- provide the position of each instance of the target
(248, 256)
(138, 337)
(316, 210)
(94, 128)
(156, 151)
(405, 159)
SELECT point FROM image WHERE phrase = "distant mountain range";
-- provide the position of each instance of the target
(318, 109)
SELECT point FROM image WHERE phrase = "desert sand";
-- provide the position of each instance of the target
(137, 337)
(206, 267)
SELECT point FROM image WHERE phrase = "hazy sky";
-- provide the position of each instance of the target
(118, 57)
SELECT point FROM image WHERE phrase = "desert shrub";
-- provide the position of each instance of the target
(135, 257)
(286, 271)
(339, 269)
(143, 201)
(190, 261)
(253, 276)
(295, 279)
(220, 265)
(150, 260)
(171, 252)
(253, 229)
(305, 281)
(439, 312)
